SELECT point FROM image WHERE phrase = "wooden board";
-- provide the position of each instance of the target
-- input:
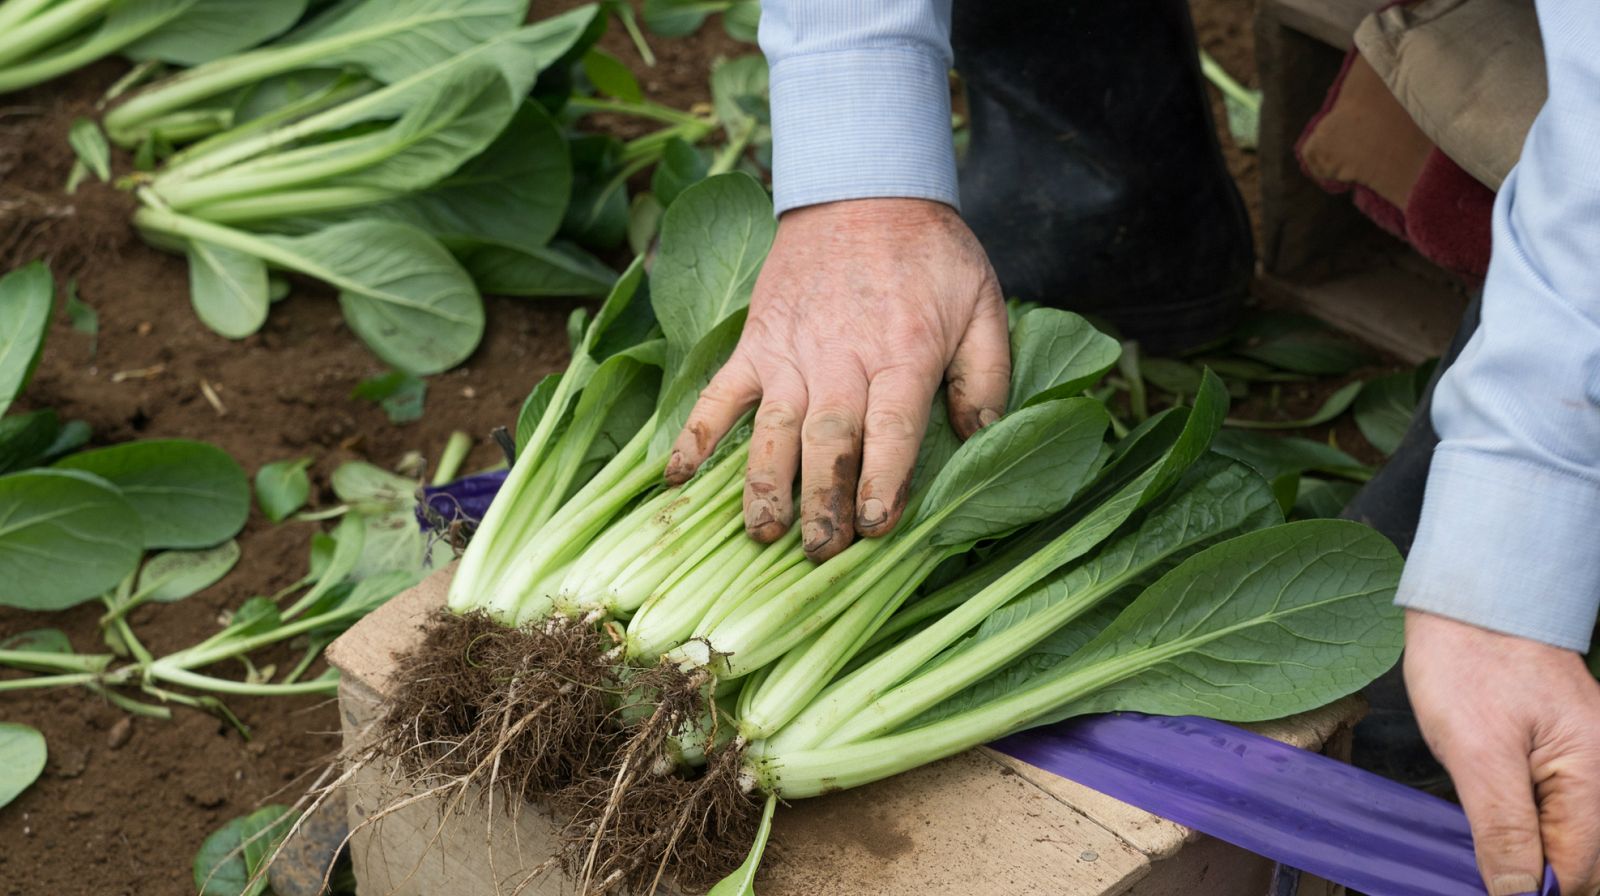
(979, 822)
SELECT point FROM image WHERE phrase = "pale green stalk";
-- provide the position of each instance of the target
(49, 26)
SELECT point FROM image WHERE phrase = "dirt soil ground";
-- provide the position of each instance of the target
(122, 812)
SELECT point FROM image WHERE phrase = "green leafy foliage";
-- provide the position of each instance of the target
(611, 76)
(282, 487)
(228, 289)
(174, 575)
(84, 319)
(1335, 404)
(22, 756)
(401, 395)
(233, 859)
(26, 295)
(1299, 344)
(1385, 406)
(67, 536)
(681, 166)
(187, 494)
(94, 153)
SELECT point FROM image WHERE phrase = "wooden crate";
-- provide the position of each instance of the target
(976, 824)
(1317, 252)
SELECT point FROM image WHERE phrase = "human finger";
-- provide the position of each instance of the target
(898, 402)
(734, 390)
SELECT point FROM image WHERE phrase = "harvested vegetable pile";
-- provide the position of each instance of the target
(1046, 567)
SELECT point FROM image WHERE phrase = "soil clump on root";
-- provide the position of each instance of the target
(521, 710)
(641, 820)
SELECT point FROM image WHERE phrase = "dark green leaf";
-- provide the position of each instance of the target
(1333, 406)
(1384, 408)
(26, 296)
(232, 861)
(74, 434)
(1173, 377)
(67, 537)
(1056, 354)
(679, 18)
(1299, 344)
(22, 756)
(1275, 456)
(400, 394)
(559, 269)
(713, 241)
(1322, 498)
(680, 167)
(26, 439)
(611, 76)
(187, 494)
(282, 487)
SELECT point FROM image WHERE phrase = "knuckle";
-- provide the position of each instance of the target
(831, 425)
(891, 424)
(1499, 841)
(778, 414)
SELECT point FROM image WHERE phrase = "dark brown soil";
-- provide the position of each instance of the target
(125, 816)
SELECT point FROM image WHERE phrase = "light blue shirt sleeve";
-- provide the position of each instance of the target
(860, 100)
(1510, 532)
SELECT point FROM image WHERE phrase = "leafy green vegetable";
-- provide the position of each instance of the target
(611, 76)
(186, 494)
(1385, 406)
(400, 394)
(26, 295)
(282, 487)
(1298, 343)
(67, 537)
(233, 859)
(94, 154)
(1332, 407)
(22, 756)
(228, 289)
(83, 317)
(681, 166)
(174, 575)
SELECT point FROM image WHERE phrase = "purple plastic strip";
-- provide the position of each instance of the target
(1293, 806)
(466, 499)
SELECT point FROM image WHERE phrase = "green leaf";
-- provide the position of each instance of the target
(233, 859)
(534, 407)
(597, 216)
(400, 394)
(394, 39)
(1276, 456)
(1262, 626)
(228, 289)
(401, 291)
(742, 882)
(174, 575)
(1333, 406)
(26, 439)
(83, 317)
(644, 222)
(187, 494)
(611, 76)
(39, 640)
(74, 434)
(681, 166)
(713, 241)
(559, 269)
(510, 196)
(1174, 377)
(742, 19)
(1321, 498)
(1384, 409)
(282, 487)
(683, 388)
(679, 18)
(1020, 469)
(739, 92)
(67, 536)
(1056, 354)
(209, 29)
(26, 295)
(370, 488)
(90, 145)
(22, 756)
(1299, 344)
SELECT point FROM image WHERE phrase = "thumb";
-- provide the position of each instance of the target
(1496, 790)
(979, 375)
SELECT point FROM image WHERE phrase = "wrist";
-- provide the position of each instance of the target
(876, 214)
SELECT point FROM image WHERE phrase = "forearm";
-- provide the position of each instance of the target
(1507, 540)
(860, 100)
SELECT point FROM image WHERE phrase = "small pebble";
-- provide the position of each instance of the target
(119, 733)
(145, 327)
(1089, 855)
(469, 392)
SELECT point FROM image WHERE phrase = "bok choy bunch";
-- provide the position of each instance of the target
(1046, 567)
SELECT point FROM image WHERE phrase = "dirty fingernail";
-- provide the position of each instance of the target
(988, 416)
(1513, 885)
(816, 534)
(760, 515)
(675, 465)
(872, 514)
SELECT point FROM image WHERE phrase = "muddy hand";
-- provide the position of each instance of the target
(861, 309)
(1515, 722)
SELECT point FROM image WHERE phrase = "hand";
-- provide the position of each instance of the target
(861, 309)
(1517, 724)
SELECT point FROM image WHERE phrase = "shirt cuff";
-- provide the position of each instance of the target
(1507, 545)
(862, 123)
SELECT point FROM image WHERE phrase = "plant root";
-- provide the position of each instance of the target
(638, 822)
(524, 709)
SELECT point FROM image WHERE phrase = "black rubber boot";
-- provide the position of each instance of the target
(1388, 741)
(1093, 176)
